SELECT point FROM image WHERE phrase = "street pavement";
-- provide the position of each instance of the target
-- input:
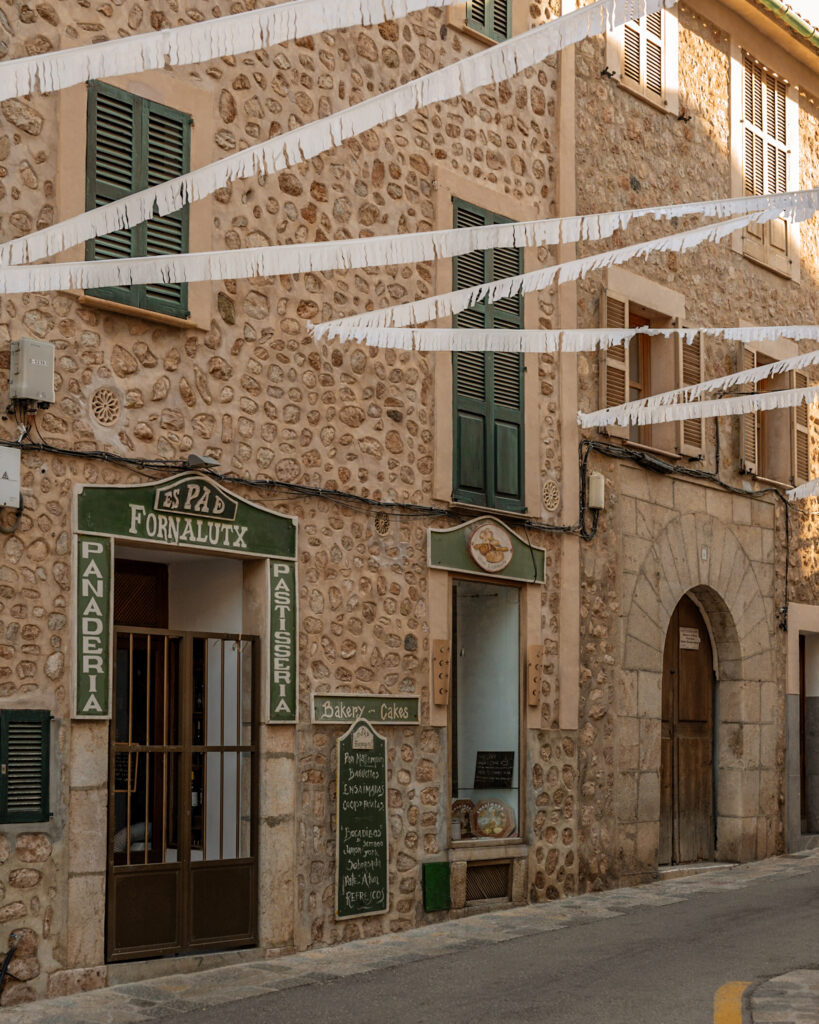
(735, 946)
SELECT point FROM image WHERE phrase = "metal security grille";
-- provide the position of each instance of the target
(489, 881)
(183, 783)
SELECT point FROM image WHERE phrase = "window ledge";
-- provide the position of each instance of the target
(124, 309)
(770, 482)
(488, 849)
(658, 102)
(676, 456)
(482, 510)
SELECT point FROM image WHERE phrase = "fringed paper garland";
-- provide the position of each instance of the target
(735, 405)
(450, 303)
(604, 417)
(446, 339)
(496, 64)
(378, 251)
(193, 44)
(806, 490)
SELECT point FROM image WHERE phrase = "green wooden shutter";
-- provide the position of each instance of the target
(472, 434)
(167, 143)
(24, 765)
(489, 17)
(112, 172)
(488, 438)
(134, 143)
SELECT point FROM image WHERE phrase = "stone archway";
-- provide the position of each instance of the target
(700, 556)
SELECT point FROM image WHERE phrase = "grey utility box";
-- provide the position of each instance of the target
(32, 370)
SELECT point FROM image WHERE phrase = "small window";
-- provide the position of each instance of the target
(24, 765)
(132, 144)
(775, 443)
(766, 156)
(488, 434)
(648, 365)
(643, 54)
(492, 18)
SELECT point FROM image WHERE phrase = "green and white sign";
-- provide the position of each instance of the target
(344, 708)
(189, 512)
(284, 642)
(487, 547)
(362, 837)
(92, 690)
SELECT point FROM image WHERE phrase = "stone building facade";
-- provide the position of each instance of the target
(338, 459)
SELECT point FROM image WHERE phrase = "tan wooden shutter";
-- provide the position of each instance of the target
(690, 363)
(800, 433)
(749, 423)
(614, 360)
(643, 53)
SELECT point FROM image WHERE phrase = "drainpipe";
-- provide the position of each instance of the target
(794, 21)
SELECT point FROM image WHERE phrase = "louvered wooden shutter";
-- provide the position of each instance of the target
(167, 144)
(490, 17)
(614, 360)
(749, 423)
(24, 765)
(134, 143)
(472, 435)
(765, 159)
(691, 372)
(112, 172)
(506, 370)
(488, 441)
(800, 431)
(643, 53)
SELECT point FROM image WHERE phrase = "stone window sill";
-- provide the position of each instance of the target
(488, 849)
(123, 309)
(484, 510)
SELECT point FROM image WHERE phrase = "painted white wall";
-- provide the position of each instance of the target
(205, 595)
(488, 695)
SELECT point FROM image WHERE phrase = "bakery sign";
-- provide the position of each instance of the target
(185, 512)
(486, 547)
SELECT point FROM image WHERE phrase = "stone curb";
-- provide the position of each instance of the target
(180, 993)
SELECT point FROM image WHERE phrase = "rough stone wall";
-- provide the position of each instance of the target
(632, 154)
(254, 391)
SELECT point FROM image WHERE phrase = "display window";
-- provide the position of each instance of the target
(485, 710)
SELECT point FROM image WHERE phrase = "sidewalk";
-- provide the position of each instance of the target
(790, 999)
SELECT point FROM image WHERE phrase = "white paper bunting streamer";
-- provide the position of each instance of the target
(450, 303)
(495, 64)
(735, 405)
(347, 254)
(806, 490)
(193, 44)
(604, 417)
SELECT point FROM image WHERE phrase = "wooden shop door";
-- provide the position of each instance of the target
(182, 791)
(687, 755)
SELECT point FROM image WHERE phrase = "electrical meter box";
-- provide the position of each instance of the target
(32, 370)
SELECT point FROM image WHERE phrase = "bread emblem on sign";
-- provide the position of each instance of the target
(490, 547)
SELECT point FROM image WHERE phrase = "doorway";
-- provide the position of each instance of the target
(687, 755)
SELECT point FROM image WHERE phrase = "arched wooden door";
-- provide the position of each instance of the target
(687, 768)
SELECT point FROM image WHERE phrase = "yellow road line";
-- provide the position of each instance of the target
(728, 1002)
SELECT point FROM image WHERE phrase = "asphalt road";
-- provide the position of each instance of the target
(656, 965)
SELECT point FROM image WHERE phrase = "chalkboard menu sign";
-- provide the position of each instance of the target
(494, 769)
(361, 823)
